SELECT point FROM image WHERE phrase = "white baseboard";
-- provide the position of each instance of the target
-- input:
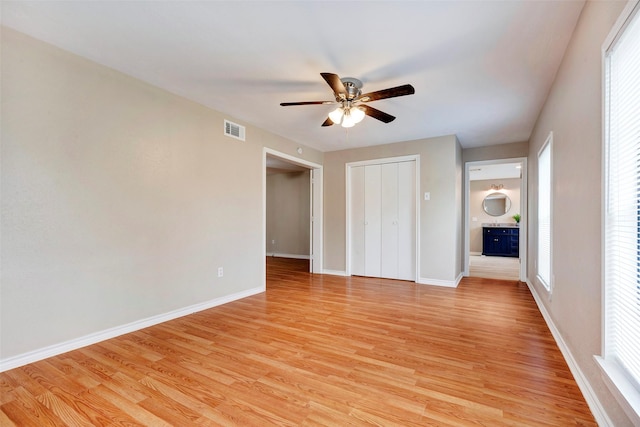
(294, 256)
(475, 253)
(335, 272)
(459, 278)
(422, 280)
(590, 396)
(63, 347)
(440, 282)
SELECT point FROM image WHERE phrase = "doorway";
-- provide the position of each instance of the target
(276, 161)
(495, 193)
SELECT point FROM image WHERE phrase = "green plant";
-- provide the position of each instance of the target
(516, 217)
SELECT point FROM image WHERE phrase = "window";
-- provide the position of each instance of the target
(622, 213)
(544, 213)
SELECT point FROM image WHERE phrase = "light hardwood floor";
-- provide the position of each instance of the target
(317, 350)
(494, 267)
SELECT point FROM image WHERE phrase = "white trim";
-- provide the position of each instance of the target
(621, 389)
(381, 161)
(619, 26)
(316, 223)
(292, 256)
(335, 273)
(523, 211)
(440, 282)
(292, 159)
(547, 143)
(409, 158)
(63, 347)
(589, 394)
(418, 218)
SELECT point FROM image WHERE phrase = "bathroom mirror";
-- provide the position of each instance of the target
(496, 204)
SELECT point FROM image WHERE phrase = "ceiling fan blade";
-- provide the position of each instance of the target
(336, 84)
(388, 93)
(286, 104)
(327, 122)
(377, 114)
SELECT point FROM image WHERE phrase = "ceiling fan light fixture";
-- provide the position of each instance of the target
(336, 115)
(347, 120)
(348, 124)
(357, 114)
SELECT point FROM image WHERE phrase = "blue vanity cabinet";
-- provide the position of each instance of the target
(501, 241)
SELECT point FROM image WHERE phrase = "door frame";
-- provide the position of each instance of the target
(523, 211)
(316, 215)
(348, 166)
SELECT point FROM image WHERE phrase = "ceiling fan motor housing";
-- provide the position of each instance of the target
(353, 87)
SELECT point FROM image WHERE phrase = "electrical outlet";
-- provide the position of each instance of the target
(273, 242)
(220, 272)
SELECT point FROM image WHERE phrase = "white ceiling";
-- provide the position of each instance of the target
(495, 171)
(481, 69)
(278, 165)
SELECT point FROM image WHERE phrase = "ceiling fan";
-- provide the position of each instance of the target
(351, 101)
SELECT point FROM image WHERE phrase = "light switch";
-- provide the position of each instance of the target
(427, 196)
(474, 218)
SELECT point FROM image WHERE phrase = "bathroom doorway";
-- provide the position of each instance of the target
(495, 220)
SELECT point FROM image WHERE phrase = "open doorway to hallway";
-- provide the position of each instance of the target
(288, 210)
(292, 217)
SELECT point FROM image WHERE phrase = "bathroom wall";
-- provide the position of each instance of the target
(478, 191)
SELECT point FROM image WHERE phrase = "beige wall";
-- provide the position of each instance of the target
(493, 152)
(288, 213)
(573, 111)
(478, 190)
(440, 174)
(119, 200)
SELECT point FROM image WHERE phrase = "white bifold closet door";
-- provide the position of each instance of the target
(383, 220)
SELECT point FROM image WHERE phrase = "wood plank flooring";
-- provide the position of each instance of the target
(494, 267)
(317, 350)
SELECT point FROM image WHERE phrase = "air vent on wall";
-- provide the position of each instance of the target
(233, 130)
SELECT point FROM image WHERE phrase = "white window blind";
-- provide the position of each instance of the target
(544, 213)
(622, 203)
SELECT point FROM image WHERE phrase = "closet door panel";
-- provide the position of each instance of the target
(357, 221)
(406, 221)
(389, 221)
(372, 209)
